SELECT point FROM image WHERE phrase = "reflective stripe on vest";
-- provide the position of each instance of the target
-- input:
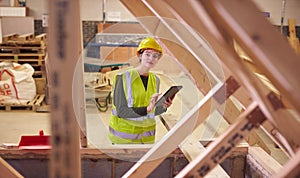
(148, 116)
(129, 89)
(132, 136)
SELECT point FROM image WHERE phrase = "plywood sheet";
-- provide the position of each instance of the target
(19, 25)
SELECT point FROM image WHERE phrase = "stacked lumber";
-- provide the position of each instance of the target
(25, 48)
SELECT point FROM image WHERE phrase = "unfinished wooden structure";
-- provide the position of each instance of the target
(213, 26)
(220, 23)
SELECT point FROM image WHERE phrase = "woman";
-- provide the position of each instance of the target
(135, 93)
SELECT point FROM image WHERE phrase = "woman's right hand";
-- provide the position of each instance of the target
(153, 101)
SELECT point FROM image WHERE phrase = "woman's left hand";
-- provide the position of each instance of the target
(167, 103)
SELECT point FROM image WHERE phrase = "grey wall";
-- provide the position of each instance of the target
(92, 13)
(92, 10)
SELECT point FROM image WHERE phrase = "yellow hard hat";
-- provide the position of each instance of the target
(149, 43)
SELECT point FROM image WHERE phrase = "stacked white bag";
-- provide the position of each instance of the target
(17, 85)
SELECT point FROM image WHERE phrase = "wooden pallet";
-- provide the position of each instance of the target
(38, 66)
(26, 40)
(38, 105)
(37, 59)
(41, 37)
(25, 49)
(11, 36)
(16, 50)
(31, 105)
(28, 36)
(19, 53)
(30, 43)
(9, 107)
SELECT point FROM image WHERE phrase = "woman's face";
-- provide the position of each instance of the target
(149, 58)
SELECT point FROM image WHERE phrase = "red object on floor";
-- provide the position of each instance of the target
(40, 141)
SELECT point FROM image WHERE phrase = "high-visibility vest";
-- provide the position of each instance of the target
(140, 129)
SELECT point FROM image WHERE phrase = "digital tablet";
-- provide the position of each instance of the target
(170, 93)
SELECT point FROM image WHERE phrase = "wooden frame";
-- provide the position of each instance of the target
(219, 41)
(219, 22)
(194, 74)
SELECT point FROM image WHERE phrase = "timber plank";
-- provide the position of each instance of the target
(263, 162)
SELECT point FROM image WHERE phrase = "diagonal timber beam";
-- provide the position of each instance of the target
(261, 44)
(267, 126)
(8, 171)
(217, 151)
(192, 12)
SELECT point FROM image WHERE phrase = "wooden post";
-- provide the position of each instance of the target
(64, 52)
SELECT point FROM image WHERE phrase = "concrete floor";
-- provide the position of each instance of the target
(15, 123)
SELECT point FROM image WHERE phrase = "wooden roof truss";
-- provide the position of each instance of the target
(220, 23)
